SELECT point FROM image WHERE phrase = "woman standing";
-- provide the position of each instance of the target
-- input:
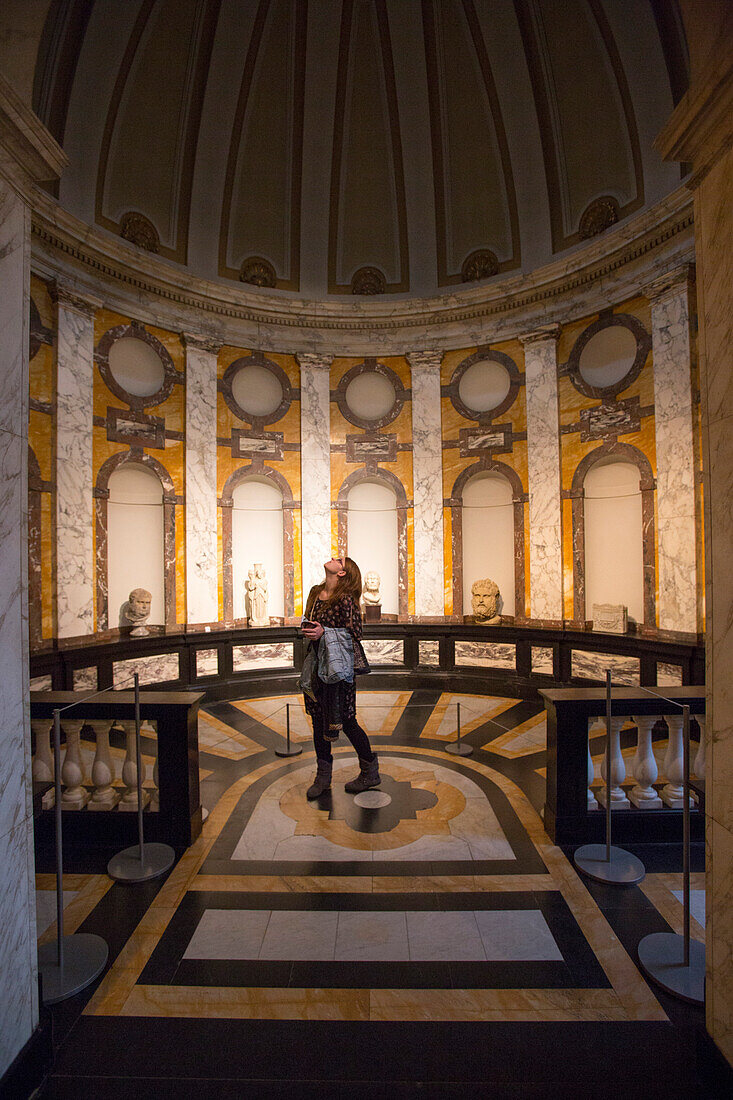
(335, 603)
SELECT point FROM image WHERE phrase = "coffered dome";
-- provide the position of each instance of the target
(338, 147)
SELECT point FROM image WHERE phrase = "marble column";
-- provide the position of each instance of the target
(27, 153)
(677, 599)
(315, 465)
(427, 476)
(74, 485)
(202, 595)
(543, 469)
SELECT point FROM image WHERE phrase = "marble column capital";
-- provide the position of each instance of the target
(541, 335)
(30, 153)
(670, 283)
(201, 342)
(314, 361)
(425, 360)
(70, 298)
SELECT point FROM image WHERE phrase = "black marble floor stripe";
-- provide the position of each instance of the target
(245, 724)
(412, 721)
(567, 1059)
(396, 868)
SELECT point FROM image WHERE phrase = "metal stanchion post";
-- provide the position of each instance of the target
(604, 862)
(289, 750)
(73, 962)
(458, 747)
(677, 963)
(141, 861)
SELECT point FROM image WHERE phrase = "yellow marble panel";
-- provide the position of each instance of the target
(48, 565)
(180, 512)
(241, 1003)
(448, 561)
(522, 740)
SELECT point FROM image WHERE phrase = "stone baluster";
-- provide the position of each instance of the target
(619, 801)
(129, 771)
(596, 728)
(42, 767)
(155, 793)
(673, 792)
(643, 794)
(104, 796)
(75, 796)
(699, 765)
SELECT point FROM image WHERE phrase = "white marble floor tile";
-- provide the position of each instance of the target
(228, 934)
(371, 936)
(317, 847)
(299, 934)
(697, 904)
(428, 848)
(46, 908)
(448, 936)
(514, 934)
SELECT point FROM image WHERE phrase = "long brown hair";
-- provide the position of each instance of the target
(348, 585)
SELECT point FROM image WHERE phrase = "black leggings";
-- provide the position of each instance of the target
(353, 731)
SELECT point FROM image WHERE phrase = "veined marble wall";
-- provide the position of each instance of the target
(426, 448)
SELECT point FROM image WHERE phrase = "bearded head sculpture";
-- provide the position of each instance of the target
(485, 602)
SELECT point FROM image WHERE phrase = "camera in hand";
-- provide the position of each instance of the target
(307, 624)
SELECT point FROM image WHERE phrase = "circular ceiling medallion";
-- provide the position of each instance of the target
(608, 357)
(136, 367)
(484, 385)
(257, 390)
(370, 396)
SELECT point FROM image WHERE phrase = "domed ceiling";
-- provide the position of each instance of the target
(331, 147)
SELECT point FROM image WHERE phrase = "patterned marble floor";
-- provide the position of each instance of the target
(438, 898)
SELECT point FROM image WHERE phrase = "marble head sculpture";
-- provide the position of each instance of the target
(135, 611)
(371, 594)
(485, 602)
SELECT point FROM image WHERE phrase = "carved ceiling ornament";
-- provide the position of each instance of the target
(481, 264)
(139, 230)
(258, 272)
(601, 214)
(368, 280)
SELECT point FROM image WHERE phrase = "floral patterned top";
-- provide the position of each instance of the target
(339, 613)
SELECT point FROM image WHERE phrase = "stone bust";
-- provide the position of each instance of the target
(371, 595)
(135, 612)
(485, 602)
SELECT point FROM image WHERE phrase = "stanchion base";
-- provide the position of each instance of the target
(85, 957)
(126, 865)
(294, 750)
(459, 748)
(661, 956)
(623, 869)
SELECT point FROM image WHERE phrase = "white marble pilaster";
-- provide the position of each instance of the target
(74, 501)
(677, 601)
(543, 468)
(18, 968)
(427, 475)
(202, 598)
(315, 465)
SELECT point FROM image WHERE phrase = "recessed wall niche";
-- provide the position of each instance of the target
(608, 356)
(370, 396)
(488, 538)
(614, 560)
(257, 536)
(257, 390)
(372, 537)
(136, 367)
(135, 539)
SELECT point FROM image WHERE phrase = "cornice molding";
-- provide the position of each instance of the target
(611, 267)
(28, 152)
(700, 128)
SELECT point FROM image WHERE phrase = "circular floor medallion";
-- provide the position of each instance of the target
(372, 800)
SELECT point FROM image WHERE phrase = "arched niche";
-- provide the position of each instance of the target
(135, 539)
(107, 613)
(372, 537)
(614, 552)
(609, 453)
(393, 483)
(519, 498)
(257, 536)
(267, 475)
(488, 536)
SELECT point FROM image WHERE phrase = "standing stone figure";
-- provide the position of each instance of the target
(135, 612)
(258, 595)
(485, 602)
(249, 586)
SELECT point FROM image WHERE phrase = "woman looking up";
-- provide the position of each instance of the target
(334, 603)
